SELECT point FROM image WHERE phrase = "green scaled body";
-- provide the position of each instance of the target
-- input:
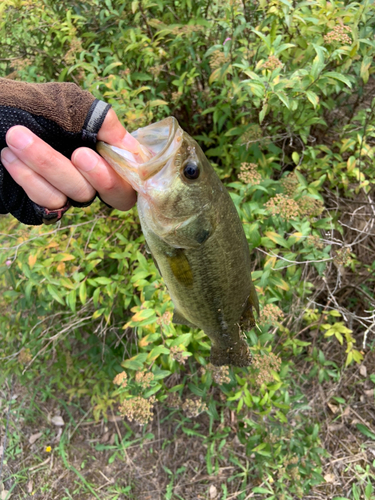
(195, 236)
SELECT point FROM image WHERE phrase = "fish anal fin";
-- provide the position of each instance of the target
(253, 299)
(178, 319)
(237, 355)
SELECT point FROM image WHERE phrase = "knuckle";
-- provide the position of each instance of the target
(24, 177)
(83, 193)
(45, 161)
(108, 184)
(53, 201)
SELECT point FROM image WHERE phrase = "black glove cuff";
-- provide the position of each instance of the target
(94, 120)
(50, 216)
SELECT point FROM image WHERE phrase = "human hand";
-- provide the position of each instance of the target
(49, 178)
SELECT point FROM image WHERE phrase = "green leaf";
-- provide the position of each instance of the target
(283, 98)
(365, 431)
(155, 353)
(71, 299)
(339, 77)
(259, 489)
(157, 102)
(83, 292)
(263, 112)
(276, 238)
(136, 362)
(110, 67)
(102, 280)
(312, 97)
(55, 294)
(295, 157)
(152, 390)
(183, 339)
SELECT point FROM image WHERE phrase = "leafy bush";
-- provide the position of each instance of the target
(279, 95)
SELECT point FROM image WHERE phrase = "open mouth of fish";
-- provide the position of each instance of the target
(160, 142)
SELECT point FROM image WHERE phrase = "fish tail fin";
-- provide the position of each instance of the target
(237, 355)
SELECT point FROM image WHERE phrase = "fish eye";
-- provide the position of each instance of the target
(191, 170)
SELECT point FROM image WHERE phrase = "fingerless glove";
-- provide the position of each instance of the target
(61, 114)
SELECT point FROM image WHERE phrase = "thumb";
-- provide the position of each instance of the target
(115, 134)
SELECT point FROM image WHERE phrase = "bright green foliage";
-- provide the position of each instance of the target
(268, 89)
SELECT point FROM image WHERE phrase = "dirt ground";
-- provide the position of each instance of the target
(54, 449)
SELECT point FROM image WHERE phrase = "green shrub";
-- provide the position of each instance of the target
(278, 95)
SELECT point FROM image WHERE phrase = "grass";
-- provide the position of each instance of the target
(176, 457)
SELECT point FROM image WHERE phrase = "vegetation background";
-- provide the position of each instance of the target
(101, 396)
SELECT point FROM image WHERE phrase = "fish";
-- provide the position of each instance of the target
(195, 236)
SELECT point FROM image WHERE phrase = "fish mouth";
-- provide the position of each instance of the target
(162, 139)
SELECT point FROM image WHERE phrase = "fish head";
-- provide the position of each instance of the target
(176, 186)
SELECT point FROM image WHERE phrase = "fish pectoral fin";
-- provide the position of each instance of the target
(178, 319)
(247, 321)
(180, 267)
(192, 233)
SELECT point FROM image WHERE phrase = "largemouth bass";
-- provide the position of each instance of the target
(195, 236)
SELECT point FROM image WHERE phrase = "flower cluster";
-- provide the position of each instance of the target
(176, 96)
(236, 3)
(339, 34)
(310, 207)
(290, 184)
(144, 379)
(75, 49)
(138, 409)
(270, 314)
(289, 209)
(155, 70)
(220, 374)
(24, 356)
(165, 319)
(264, 364)
(315, 241)
(177, 353)
(121, 379)
(249, 174)
(218, 59)
(272, 63)
(193, 407)
(22, 63)
(342, 257)
(252, 134)
(124, 73)
(173, 400)
(186, 29)
(284, 206)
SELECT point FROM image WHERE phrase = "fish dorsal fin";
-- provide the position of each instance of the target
(178, 319)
